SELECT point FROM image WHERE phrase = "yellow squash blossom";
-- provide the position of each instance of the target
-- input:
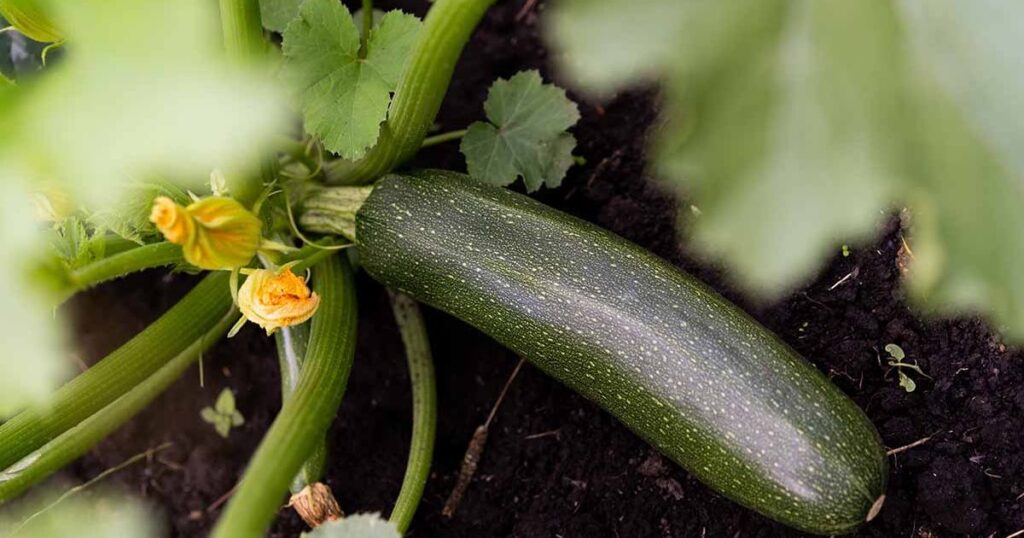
(215, 232)
(27, 17)
(274, 300)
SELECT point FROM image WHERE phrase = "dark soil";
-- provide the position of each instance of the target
(555, 464)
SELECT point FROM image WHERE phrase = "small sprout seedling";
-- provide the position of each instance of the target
(223, 414)
(846, 251)
(896, 356)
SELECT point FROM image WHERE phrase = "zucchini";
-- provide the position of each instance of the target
(679, 365)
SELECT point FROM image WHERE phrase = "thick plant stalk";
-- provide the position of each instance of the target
(446, 30)
(79, 439)
(292, 343)
(244, 43)
(120, 264)
(424, 408)
(243, 29)
(118, 372)
(307, 414)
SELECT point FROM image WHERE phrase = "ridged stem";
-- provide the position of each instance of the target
(117, 265)
(78, 440)
(424, 408)
(118, 372)
(305, 417)
(243, 29)
(292, 343)
(428, 71)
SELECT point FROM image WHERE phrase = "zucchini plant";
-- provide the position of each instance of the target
(684, 369)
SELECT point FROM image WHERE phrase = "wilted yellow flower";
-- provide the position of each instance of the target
(172, 220)
(274, 300)
(215, 233)
(26, 17)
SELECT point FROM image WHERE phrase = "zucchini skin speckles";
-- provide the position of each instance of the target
(682, 367)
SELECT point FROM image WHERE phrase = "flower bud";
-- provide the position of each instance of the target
(214, 233)
(27, 17)
(172, 220)
(274, 300)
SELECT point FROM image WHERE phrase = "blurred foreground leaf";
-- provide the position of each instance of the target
(143, 89)
(91, 517)
(799, 124)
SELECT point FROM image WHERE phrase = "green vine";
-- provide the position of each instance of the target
(424, 408)
(76, 441)
(306, 415)
(446, 30)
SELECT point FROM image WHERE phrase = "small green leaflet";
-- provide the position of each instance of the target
(525, 136)
(897, 355)
(356, 526)
(895, 351)
(223, 415)
(344, 93)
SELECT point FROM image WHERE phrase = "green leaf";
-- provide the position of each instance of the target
(132, 100)
(797, 125)
(277, 14)
(225, 402)
(344, 98)
(614, 45)
(208, 414)
(905, 382)
(92, 517)
(356, 526)
(966, 194)
(526, 135)
(792, 152)
(33, 363)
(71, 242)
(223, 415)
(895, 351)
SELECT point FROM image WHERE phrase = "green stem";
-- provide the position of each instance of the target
(424, 408)
(78, 440)
(243, 29)
(423, 85)
(292, 343)
(442, 138)
(305, 417)
(244, 43)
(367, 26)
(118, 265)
(111, 244)
(310, 256)
(126, 367)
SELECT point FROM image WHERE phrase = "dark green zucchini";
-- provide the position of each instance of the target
(678, 364)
